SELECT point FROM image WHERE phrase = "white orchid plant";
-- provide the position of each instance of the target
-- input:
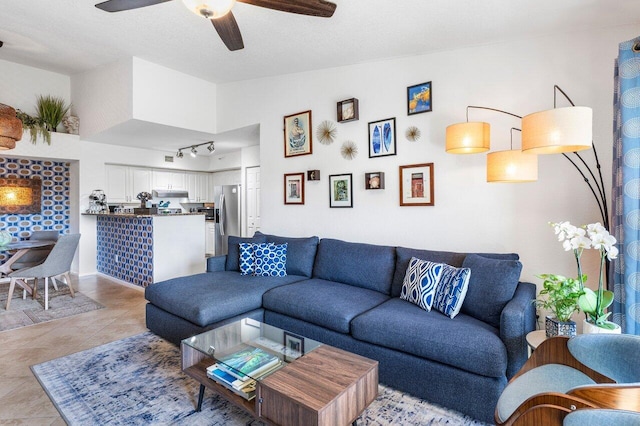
(593, 304)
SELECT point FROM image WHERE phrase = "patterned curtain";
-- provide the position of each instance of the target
(626, 187)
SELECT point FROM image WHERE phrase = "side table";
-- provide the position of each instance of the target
(534, 338)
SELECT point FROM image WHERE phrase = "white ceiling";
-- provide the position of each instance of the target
(72, 36)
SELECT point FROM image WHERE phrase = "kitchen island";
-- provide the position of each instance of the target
(142, 249)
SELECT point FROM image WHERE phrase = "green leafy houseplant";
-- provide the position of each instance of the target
(593, 304)
(51, 110)
(35, 126)
(559, 295)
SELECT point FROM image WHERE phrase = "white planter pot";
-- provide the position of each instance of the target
(588, 328)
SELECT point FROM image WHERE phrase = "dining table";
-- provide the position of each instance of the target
(20, 248)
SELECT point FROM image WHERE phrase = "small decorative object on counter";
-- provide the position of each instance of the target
(144, 197)
(98, 202)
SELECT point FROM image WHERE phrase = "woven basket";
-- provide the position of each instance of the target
(10, 127)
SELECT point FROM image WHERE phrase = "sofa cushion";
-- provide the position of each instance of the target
(451, 290)
(464, 342)
(363, 265)
(404, 255)
(325, 303)
(491, 286)
(270, 259)
(420, 282)
(247, 260)
(301, 252)
(213, 296)
(233, 255)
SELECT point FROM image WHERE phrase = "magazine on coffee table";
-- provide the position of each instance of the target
(247, 362)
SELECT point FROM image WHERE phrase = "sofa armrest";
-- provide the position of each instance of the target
(517, 319)
(216, 263)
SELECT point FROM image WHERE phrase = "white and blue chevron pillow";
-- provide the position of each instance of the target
(451, 290)
(420, 282)
(270, 260)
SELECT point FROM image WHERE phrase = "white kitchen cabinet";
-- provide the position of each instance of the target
(124, 183)
(168, 179)
(198, 186)
(210, 238)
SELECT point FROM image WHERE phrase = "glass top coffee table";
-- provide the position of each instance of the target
(280, 377)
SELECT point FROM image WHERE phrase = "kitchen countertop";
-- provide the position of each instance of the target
(143, 215)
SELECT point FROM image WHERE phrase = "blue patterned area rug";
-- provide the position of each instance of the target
(137, 381)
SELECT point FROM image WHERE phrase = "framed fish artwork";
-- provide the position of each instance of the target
(419, 98)
(297, 134)
(416, 185)
(382, 138)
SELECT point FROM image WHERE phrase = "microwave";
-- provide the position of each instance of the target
(209, 212)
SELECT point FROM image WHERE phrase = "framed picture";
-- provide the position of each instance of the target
(348, 110)
(341, 190)
(419, 98)
(382, 138)
(416, 185)
(313, 174)
(374, 180)
(294, 346)
(298, 134)
(294, 188)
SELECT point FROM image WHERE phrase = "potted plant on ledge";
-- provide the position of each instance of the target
(559, 296)
(593, 304)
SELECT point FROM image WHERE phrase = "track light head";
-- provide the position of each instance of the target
(193, 152)
(211, 148)
(179, 154)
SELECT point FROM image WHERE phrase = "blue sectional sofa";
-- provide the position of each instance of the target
(347, 295)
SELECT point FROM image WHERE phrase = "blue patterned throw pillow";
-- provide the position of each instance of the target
(451, 290)
(420, 282)
(246, 259)
(270, 260)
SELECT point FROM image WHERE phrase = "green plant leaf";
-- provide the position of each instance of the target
(588, 301)
(607, 299)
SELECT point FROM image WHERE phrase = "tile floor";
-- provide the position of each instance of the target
(22, 399)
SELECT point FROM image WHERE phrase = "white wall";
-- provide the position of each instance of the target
(20, 86)
(162, 95)
(469, 214)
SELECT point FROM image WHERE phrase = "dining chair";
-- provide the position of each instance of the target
(57, 264)
(564, 375)
(36, 256)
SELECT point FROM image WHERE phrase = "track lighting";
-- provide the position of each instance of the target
(193, 151)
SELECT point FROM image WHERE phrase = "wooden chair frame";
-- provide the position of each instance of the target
(550, 408)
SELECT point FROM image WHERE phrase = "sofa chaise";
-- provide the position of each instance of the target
(347, 295)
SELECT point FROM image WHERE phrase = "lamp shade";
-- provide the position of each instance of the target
(467, 138)
(512, 166)
(557, 130)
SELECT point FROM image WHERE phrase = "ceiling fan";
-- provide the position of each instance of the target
(219, 12)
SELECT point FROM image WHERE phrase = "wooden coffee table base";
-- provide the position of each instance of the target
(327, 386)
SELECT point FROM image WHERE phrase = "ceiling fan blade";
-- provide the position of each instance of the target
(120, 5)
(228, 30)
(321, 8)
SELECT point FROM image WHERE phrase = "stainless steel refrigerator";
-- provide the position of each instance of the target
(227, 208)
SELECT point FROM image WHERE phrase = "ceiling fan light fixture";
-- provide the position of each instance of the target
(210, 9)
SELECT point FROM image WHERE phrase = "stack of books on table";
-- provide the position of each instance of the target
(239, 370)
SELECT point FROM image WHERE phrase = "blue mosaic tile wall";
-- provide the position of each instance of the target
(125, 248)
(55, 198)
